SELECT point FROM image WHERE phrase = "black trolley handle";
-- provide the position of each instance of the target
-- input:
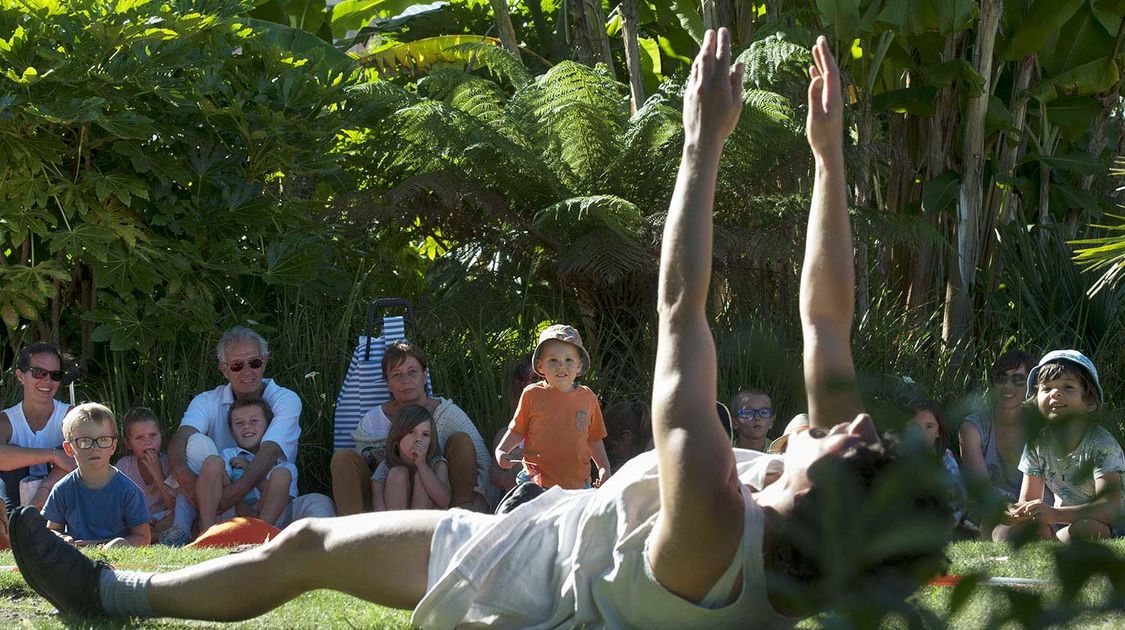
(385, 304)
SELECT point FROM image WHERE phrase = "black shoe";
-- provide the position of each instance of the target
(519, 495)
(56, 570)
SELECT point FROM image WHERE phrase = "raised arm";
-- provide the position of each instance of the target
(701, 515)
(828, 274)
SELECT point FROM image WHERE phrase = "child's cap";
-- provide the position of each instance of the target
(1070, 356)
(561, 332)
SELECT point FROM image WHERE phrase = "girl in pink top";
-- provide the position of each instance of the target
(148, 467)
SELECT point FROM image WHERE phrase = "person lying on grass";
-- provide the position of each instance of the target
(1078, 460)
(96, 503)
(674, 539)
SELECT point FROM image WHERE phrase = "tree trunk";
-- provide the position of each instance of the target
(504, 26)
(717, 13)
(745, 13)
(543, 29)
(959, 316)
(632, 53)
(590, 39)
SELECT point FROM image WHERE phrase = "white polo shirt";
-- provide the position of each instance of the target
(207, 414)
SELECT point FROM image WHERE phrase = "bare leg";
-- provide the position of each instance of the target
(334, 553)
(1010, 533)
(275, 495)
(209, 489)
(350, 488)
(397, 489)
(421, 499)
(1084, 529)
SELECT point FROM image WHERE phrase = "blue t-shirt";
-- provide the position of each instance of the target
(108, 512)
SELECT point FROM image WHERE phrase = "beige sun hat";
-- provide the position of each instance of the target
(799, 421)
(561, 332)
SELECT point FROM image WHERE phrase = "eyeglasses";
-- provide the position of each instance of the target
(85, 443)
(1015, 380)
(253, 363)
(39, 373)
(749, 413)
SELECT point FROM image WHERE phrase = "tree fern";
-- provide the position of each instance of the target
(773, 60)
(576, 115)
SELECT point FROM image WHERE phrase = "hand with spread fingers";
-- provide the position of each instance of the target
(713, 96)
(826, 106)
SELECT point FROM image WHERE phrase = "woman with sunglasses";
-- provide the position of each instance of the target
(992, 439)
(31, 431)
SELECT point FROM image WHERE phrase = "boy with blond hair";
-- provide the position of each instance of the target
(96, 503)
(559, 421)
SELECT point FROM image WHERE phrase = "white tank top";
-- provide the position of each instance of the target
(50, 436)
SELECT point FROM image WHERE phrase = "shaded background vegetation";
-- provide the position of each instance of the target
(170, 168)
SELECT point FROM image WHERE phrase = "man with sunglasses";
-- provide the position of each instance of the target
(242, 358)
(31, 431)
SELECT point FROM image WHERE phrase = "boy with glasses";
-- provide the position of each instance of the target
(96, 503)
(753, 418)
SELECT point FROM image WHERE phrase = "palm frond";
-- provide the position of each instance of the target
(898, 228)
(420, 55)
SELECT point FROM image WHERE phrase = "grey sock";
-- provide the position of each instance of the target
(125, 593)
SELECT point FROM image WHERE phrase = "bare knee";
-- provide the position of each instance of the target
(1084, 529)
(213, 467)
(280, 478)
(297, 547)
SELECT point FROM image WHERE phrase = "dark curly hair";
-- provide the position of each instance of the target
(871, 529)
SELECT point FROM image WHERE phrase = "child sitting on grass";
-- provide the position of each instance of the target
(559, 421)
(1078, 460)
(414, 476)
(147, 466)
(248, 420)
(96, 503)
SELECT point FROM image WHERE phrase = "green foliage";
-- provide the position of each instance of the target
(158, 167)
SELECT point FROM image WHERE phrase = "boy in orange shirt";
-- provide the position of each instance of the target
(559, 421)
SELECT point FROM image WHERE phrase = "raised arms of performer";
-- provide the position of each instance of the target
(700, 522)
(828, 273)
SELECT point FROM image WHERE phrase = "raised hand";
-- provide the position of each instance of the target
(824, 126)
(713, 96)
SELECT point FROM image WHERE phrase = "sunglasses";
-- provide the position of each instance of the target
(253, 363)
(85, 443)
(39, 373)
(749, 413)
(1010, 379)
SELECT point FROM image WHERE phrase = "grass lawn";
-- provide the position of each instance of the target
(20, 607)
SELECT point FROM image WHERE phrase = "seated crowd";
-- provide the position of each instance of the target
(234, 454)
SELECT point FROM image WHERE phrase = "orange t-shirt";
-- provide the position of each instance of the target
(557, 428)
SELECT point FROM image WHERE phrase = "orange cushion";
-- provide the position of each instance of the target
(237, 531)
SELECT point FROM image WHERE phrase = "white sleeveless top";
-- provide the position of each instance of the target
(576, 558)
(50, 436)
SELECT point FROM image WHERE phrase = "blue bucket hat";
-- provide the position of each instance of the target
(1070, 356)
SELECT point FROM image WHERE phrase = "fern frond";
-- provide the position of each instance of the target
(773, 60)
(583, 214)
(577, 115)
(476, 96)
(898, 228)
(498, 61)
(601, 255)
